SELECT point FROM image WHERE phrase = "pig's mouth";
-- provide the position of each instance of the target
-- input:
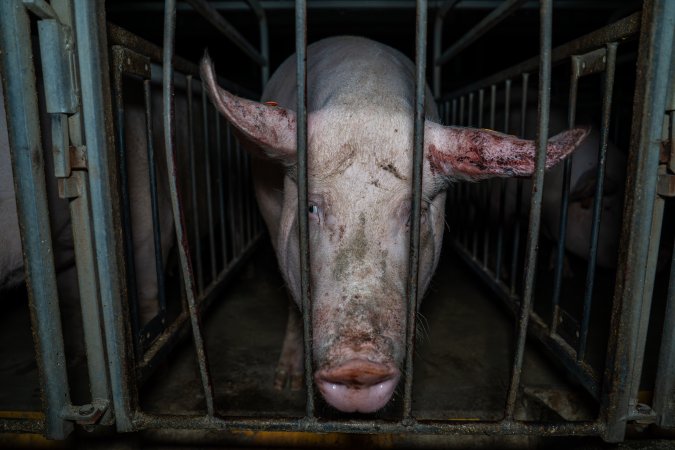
(358, 385)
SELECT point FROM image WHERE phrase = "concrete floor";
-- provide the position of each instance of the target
(462, 360)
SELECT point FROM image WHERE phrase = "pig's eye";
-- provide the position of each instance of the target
(313, 209)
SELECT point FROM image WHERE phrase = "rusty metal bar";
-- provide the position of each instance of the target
(303, 220)
(500, 13)
(193, 185)
(511, 428)
(632, 295)
(545, 14)
(519, 192)
(221, 190)
(207, 174)
(617, 32)
(206, 10)
(610, 65)
(23, 125)
(416, 207)
(176, 206)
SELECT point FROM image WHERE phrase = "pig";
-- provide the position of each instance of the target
(360, 103)
(11, 260)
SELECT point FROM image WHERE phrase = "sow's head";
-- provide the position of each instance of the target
(359, 167)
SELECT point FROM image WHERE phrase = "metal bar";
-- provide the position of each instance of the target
(501, 12)
(564, 201)
(221, 190)
(264, 43)
(240, 236)
(631, 298)
(438, 41)
(610, 66)
(152, 175)
(230, 191)
(178, 217)
(303, 221)
(92, 53)
(545, 13)
(193, 186)
(206, 10)
(664, 387)
(557, 347)
(519, 191)
(132, 289)
(416, 206)
(23, 125)
(511, 428)
(617, 32)
(502, 189)
(207, 174)
(280, 5)
(164, 343)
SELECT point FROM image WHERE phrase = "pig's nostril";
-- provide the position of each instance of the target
(358, 385)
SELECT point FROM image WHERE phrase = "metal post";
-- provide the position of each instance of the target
(545, 15)
(630, 311)
(303, 220)
(418, 155)
(31, 197)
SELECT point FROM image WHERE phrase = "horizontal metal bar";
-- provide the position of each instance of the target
(276, 5)
(35, 426)
(617, 32)
(124, 38)
(206, 10)
(511, 428)
(501, 12)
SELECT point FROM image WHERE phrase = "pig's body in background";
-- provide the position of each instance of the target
(582, 189)
(11, 259)
(360, 105)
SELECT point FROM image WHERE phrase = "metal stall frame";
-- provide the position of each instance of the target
(594, 53)
(74, 39)
(408, 423)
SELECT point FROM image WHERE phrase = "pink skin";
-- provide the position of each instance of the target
(360, 102)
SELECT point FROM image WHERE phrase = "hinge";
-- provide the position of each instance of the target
(88, 414)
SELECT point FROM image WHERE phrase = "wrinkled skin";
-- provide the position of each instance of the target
(360, 108)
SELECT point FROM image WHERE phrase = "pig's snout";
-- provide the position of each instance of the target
(358, 385)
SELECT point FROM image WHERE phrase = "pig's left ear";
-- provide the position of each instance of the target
(268, 131)
(457, 153)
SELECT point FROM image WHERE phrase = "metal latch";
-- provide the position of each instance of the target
(88, 414)
(642, 414)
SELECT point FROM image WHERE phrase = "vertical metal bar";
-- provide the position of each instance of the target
(461, 110)
(132, 289)
(93, 66)
(493, 105)
(240, 236)
(545, 14)
(502, 190)
(176, 206)
(519, 192)
(630, 309)
(31, 198)
(454, 112)
(152, 174)
(264, 47)
(416, 208)
(597, 199)
(221, 190)
(207, 173)
(193, 186)
(564, 202)
(231, 148)
(438, 42)
(664, 387)
(301, 85)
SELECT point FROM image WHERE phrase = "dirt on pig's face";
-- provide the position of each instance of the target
(359, 220)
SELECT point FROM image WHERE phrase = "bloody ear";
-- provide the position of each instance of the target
(475, 154)
(270, 129)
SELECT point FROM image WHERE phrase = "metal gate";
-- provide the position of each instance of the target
(91, 64)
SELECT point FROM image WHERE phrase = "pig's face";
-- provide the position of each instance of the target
(359, 218)
(360, 166)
